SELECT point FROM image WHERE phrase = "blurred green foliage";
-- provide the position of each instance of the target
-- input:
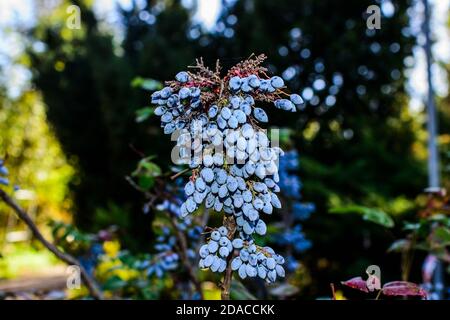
(34, 155)
(36, 163)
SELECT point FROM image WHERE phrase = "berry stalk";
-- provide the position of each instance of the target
(230, 223)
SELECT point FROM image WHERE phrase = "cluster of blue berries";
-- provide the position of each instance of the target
(214, 253)
(258, 261)
(234, 168)
(175, 109)
(3, 174)
(253, 83)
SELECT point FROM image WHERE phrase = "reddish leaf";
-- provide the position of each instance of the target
(403, 288)
(356, 283)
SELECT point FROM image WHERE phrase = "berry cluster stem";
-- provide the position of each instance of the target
(230, 223)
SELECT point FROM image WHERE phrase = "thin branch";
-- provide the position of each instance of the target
(333, 291)
(88, 281)
(179, 173)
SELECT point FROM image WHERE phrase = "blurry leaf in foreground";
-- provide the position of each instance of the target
(283, 290)
(370, 214)
(239, 292)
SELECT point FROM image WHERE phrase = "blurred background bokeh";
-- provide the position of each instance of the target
(69, 100)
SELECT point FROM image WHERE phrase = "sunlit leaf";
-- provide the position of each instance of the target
(379, 217)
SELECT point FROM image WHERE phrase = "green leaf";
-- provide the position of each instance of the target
(379, 217)
(151, 168)
(146, 84)
(347, 210)
(147, 168)
(442, 234)
(369, 214)
(144, 113)
(146, 182)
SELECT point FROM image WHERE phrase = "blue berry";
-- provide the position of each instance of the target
(236, 263)
(189, 188)
(184, 93)
(225, 113)
(270, 263)
(297, 100)
(223, 231)
(224, 252)
(242, 271)
(277, 82)
(254, 81)
(285, 104)
(182, 76)
(212, 246)
(235, 83)
(207, 174)
(238, 243)
(215, 235)
(213, 111)
(260, 115)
